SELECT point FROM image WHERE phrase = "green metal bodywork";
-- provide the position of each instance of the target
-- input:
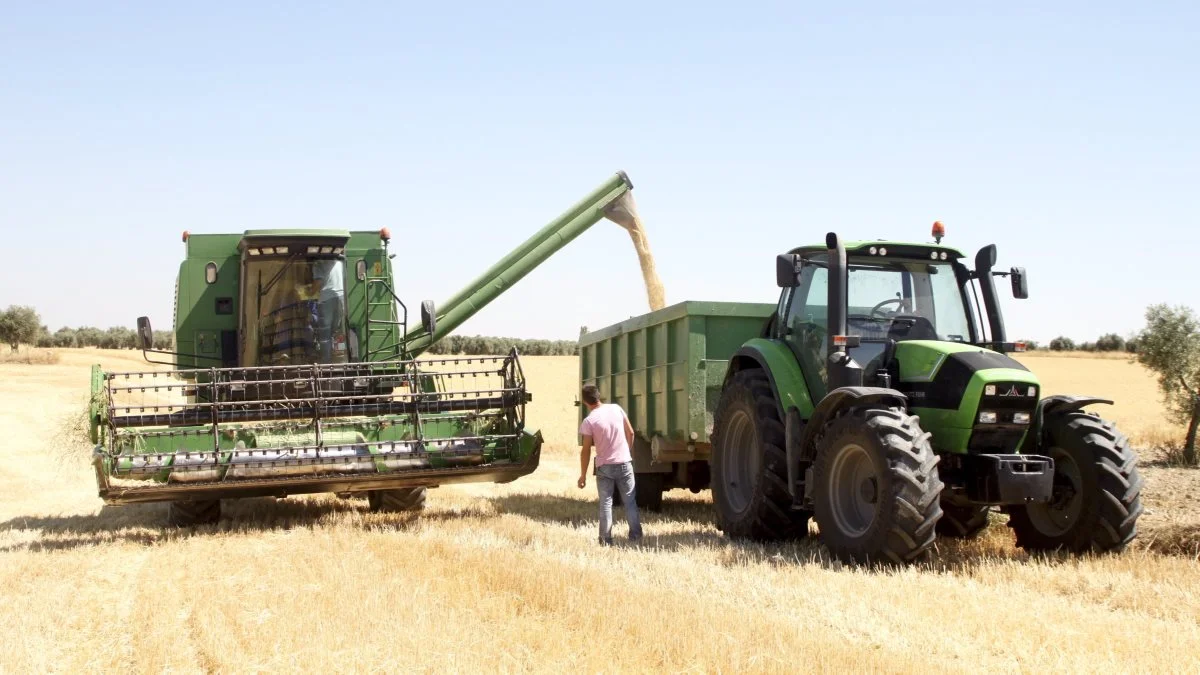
(668, 393)
(207, 321)
(920, 361)
(520, 261)
(198, 326)
(666, 368)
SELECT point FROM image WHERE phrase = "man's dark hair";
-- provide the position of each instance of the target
(591, 394)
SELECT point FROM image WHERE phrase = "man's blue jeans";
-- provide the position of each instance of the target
(610, 477)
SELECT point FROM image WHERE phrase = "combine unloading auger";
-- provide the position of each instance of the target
(298, 405)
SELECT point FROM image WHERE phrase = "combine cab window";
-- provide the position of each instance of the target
(294, 311)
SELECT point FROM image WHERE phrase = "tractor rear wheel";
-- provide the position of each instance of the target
(876, 486)
(962, 522)
(192, 513)
(749, 465)
(399, 499)
(1097, 490)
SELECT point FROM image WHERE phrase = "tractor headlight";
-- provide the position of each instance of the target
(1021, 418)
(1033, 391)
(933, 255)
(882, 251)
(987, 417)
(989, 390)
(874, 250)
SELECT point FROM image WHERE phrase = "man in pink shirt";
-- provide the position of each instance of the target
(608, 429)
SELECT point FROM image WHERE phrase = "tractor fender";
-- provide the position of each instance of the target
(1060, 403)
(1064, 403)
(782, 369)
(834, 402)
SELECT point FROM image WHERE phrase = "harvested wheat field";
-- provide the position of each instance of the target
(509, 578)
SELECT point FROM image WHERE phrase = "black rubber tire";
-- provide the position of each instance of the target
(397, 500)
(767, 513)
(1110, 496)
(904, 482)
(648, 491)
(190, 514)
(962, 522)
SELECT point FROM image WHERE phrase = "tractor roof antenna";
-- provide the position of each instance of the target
(939, 231)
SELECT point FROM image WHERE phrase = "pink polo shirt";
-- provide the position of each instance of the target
(606, 426)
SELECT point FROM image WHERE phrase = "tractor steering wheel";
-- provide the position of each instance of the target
(875, 310)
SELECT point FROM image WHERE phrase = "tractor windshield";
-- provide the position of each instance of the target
(905, 300)
(294, 310)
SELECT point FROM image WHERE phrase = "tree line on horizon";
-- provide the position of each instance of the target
(22, 325)
(1168, 345)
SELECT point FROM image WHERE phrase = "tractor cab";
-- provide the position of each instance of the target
(888, 293)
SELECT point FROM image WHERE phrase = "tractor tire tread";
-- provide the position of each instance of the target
(1108, 522)
(909, 508)
(770, 515)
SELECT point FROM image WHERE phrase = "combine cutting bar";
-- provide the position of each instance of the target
(302, 429)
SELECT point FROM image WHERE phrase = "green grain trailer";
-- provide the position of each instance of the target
(665, 369)
(297, 369)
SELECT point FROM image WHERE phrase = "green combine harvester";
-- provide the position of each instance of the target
(296, 370)
(875, 396)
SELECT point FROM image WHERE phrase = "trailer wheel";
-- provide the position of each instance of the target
(1097, 490)
(192, 513)
(399, 499)
(876, 486)
(749, 465)
(649, 487)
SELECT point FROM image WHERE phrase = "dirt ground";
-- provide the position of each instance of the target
(508, 578)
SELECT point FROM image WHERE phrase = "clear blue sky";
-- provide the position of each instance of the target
(1067, 136)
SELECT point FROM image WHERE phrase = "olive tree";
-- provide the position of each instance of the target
(19, 324)
(1170, 346)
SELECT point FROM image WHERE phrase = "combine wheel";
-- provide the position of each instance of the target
(400, 499)
(1097, 490)
(188, 514)
(962, 522)
(749, 466)
(876, 486)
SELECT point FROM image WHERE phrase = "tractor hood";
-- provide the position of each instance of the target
(947, 383)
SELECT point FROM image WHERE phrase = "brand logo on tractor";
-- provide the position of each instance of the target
(1010, 391)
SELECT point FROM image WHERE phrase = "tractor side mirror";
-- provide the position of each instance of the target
(1020, 285)
(145, 333)
(428, 317)
(787, 270)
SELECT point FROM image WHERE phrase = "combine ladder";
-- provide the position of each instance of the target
(384, 340)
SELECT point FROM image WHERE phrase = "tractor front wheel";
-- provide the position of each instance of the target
(749, 465)
(192, 513)
(876, 486)
(400, 499)
(1097, 490)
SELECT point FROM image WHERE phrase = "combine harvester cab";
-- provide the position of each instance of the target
(296, 371)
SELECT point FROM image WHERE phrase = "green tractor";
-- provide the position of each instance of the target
(880, 402)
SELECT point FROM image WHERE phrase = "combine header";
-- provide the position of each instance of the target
(297, 371)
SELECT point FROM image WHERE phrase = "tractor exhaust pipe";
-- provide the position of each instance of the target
(985, 260)
(837, 288)
(841, 368)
